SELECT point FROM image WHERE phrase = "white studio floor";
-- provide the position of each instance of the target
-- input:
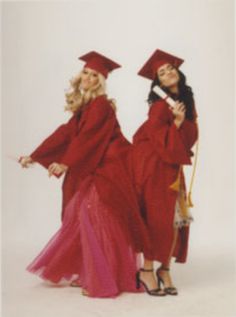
(206, 288)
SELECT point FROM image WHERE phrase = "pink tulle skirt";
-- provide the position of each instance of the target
(90, 245)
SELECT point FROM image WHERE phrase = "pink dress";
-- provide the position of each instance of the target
(90, 245)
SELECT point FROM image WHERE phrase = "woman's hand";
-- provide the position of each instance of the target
(25, 161)
(56, 168)
(179, 113)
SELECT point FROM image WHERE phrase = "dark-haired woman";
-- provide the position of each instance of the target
(160, 147)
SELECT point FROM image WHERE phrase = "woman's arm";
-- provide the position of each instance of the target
(166, 136)
(189, 134)
(53, 147)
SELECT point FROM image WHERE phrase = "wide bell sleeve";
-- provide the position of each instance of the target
(88, 147)
(53, 147)
(166, 138)
(189, 133)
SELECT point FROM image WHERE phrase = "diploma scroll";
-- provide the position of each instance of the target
(164, 96)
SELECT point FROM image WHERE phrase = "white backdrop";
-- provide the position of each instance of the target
(41, 43)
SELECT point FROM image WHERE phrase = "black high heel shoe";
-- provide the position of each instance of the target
(171, 290)
(155, 292)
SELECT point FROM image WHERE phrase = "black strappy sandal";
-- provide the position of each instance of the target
(171, 290)
(154, 292)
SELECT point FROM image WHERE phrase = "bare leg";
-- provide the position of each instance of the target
(149, 277)
(176, 231)
(165, 275)
(148, 264)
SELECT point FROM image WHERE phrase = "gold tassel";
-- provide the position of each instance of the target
(176, 185)
(183, 205)
(189, 198)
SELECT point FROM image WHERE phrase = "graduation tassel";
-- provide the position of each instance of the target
(181, 203)
(189, 198)
(176, 185)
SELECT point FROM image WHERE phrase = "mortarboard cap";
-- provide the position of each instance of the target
(158, 59)
(99, 63)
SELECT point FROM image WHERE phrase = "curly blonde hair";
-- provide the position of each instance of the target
(75, 98)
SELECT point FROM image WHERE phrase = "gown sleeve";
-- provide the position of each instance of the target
(88, 147)
(53, 147)
(172, 144)
(189, 134)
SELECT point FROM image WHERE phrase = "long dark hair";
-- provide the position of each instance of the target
(185, 95)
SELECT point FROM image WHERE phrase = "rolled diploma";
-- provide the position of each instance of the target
(164, 96)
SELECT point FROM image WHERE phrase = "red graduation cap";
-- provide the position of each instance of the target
(158, 59)
(98, 62)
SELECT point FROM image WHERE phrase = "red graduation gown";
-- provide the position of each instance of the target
(94, 145)
(159, 148)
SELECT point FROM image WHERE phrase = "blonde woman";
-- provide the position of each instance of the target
(102, 233)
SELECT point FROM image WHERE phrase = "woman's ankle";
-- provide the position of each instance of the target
(148, 265)
(165, 267)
